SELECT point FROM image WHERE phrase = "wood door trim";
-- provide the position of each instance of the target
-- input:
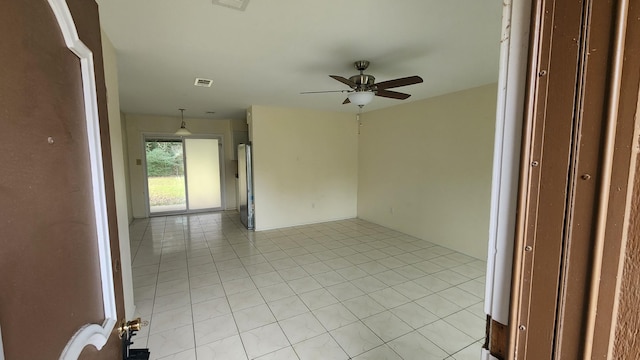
(544, 183)
(529, 187)
(497, 339)
(91, 334)
(603, 143)
(525, 154)
(619, 245)
(607, 171)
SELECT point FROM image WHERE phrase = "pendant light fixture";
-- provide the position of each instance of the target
(183, 127)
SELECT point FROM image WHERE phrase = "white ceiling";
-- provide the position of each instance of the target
(275, 49)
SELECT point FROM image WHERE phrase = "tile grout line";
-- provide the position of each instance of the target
(193, 320)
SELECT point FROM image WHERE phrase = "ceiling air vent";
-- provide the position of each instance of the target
(234, 4)
(203, 82)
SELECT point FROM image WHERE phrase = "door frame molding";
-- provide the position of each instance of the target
(91, 333)
(506, 156)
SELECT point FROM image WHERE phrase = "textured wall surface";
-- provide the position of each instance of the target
(627, 343)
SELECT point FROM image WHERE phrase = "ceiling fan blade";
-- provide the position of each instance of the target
(345, 81)
(346, 101)
(409, 80)
(392, 94)
(321, 92)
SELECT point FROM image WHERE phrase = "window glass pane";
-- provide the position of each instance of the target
(165, 175)
(203, 173)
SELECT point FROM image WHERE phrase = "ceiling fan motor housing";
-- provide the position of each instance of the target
(363, 81)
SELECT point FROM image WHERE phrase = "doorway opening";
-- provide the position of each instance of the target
(183, 174)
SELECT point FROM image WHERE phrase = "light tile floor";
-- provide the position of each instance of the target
(347, 289)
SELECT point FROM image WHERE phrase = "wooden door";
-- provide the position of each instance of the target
(57, 204)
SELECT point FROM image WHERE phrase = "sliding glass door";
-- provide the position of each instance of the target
(183, 174)
(203, 170)
(165, 175)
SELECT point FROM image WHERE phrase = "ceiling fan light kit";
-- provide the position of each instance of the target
(364, 88)
(361, 98)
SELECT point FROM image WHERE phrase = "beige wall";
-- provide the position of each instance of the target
(305, 166)
(137, 125)
(425, 168)
(125, 150)
(118, 150)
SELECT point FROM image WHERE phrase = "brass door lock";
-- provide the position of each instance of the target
(133, 325)
(127, 330)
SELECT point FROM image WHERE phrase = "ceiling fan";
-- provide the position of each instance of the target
(364, 88)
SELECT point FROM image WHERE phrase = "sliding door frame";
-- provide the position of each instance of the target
(221, 164)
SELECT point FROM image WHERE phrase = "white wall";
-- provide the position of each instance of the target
(425, 168)
(137, 125)
(118, 149)
(305, 166)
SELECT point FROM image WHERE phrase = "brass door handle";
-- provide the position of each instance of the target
(133, 325)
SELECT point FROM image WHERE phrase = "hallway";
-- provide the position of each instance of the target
(338, 290)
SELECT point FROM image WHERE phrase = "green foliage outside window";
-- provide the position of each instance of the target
(164, 158)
